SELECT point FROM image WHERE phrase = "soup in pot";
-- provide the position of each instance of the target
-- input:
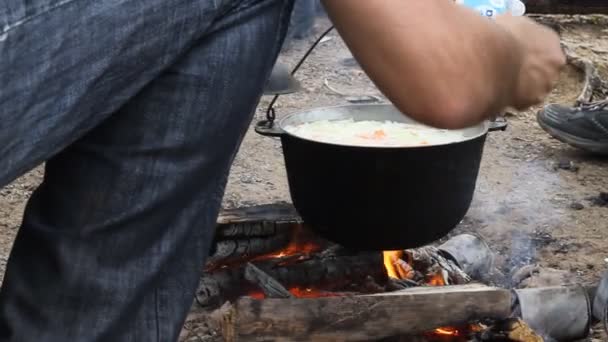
(374, 133)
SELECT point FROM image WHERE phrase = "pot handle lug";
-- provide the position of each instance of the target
(268, 129)
(498, 125)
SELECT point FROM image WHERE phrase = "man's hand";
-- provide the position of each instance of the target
(445, 65)
(542, 60)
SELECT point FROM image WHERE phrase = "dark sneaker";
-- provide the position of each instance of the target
(585, 126)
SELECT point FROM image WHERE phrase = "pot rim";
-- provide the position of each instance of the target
(483, 126)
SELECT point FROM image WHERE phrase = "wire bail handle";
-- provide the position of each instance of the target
(271, 113)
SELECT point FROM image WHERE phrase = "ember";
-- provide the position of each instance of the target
(256, 295)
(311, 293)
(298, 292)
(436, 279)
(447, 331)
(450, 334)
(302, 244)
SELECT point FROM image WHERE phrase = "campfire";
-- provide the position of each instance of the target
(270, 276)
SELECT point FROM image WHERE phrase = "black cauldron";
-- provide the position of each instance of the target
(378, 198)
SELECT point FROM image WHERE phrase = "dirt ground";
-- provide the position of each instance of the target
(529, 209)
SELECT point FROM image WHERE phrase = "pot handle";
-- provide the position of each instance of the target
(268, 129)
(498, 125)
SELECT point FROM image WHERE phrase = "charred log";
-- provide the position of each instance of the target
(276, 212)
(330, 272)
(248, 230)
(230, 252)
(433, 261)
(324, 271)
(243, 234)
(270, 287)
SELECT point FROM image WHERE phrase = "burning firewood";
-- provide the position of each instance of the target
(238, 251)
(424, 266)
(245, 233)
(326, 271)
(363, 318)
(271, 287)
(309, 289)
(290, 256)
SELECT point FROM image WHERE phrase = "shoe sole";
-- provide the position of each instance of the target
(598, 147)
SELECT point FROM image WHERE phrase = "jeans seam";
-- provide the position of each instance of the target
(158, 322)
(282, 23)
(11, 26)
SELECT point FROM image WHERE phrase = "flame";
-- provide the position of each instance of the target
(294, 248)
(395, 266)
(436, 280)
(301, 245)
(449, 331)
(398, 268)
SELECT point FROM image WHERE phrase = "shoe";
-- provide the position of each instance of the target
(584, 127)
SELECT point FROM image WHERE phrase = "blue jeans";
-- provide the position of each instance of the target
(303, 18)
(138, 108)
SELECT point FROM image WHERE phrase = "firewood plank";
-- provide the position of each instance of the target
(275, 212)
(363, 318)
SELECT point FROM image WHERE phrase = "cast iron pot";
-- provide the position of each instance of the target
(378, 198)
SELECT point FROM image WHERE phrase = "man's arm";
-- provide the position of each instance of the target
(439, 62)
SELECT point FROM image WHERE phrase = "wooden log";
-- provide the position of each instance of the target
(231, 252)
(566, 6)
(328, 271)
(276, 212)
(270, 287)
(245, 233)
(259, 229)
(424, 258)
(363, 318)
(215, 288)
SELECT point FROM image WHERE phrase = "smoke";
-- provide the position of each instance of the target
(523, 250)
(517, 205)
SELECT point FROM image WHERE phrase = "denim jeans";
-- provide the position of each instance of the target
(303, 18)
(138, 108)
